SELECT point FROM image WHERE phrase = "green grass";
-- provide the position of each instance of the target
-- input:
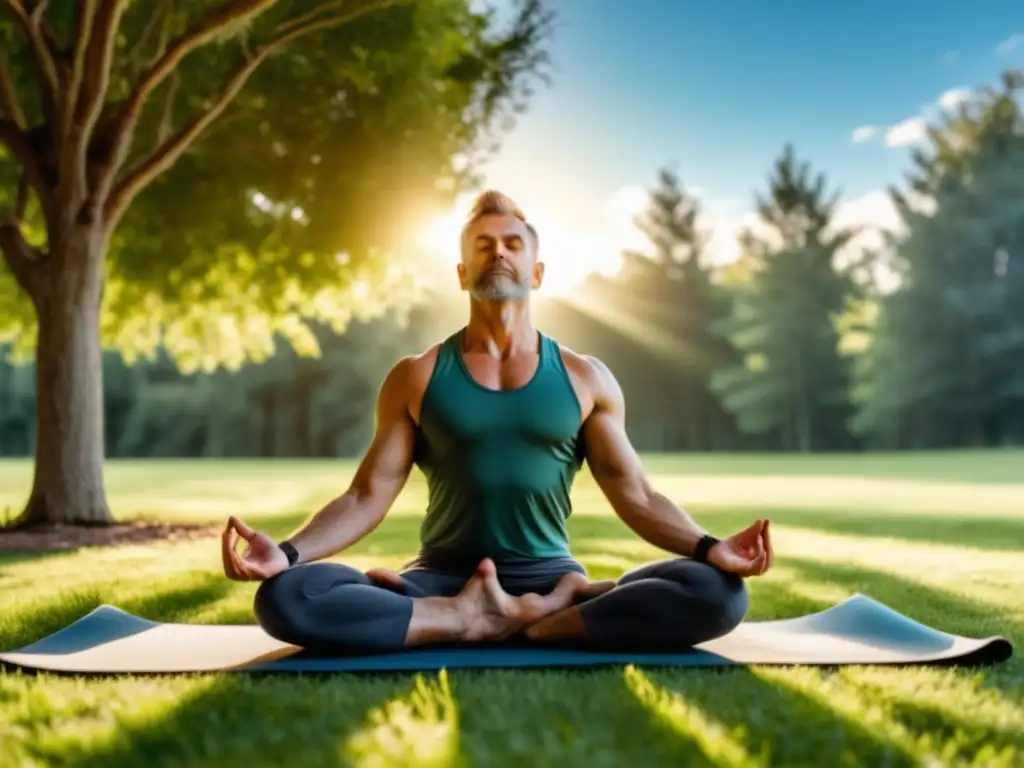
(939, 537)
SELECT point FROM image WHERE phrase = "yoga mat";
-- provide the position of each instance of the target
(858, 630)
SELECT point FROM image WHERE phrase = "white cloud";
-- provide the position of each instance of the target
(724, 231)
(725, 220)
(910, 131)
(872, 214)
(914, 129)
(954, 97)
(874, 209)
(1010, 44)
(864, 133)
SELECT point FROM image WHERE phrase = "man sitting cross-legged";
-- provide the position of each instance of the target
(499, 418)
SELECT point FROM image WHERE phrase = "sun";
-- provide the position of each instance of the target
(570, 255)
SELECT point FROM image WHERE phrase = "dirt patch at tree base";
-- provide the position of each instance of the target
(64, 537)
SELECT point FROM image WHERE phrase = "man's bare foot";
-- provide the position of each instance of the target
(492, 614)
(483, 611)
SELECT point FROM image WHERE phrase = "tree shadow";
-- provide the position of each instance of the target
(397, 535)
(983, 532)
(946, 612)
(233, 719)
(758, 715)
(281, 720)
(18, 557)
(644, 717)
(971, 736)
(996, 533)
(758, 711)
(560, 717)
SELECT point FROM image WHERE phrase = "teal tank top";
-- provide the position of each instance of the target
(499, 465)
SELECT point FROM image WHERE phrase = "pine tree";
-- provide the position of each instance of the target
(944, 366)
(669, 293)
(792, 383)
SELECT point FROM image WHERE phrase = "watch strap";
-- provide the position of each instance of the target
(290, 552)
(704, 545)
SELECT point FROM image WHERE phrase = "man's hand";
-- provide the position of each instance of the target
(747, 553)
(262, 558)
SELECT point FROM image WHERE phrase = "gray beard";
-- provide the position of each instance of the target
(485, 290)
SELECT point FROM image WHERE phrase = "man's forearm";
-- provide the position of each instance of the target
(336, 527)
(663, 523)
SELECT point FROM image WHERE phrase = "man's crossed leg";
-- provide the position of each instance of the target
(668, 605)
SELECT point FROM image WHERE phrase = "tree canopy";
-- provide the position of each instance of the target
(291, 196)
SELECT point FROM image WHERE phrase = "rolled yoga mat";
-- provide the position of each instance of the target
(858, 630)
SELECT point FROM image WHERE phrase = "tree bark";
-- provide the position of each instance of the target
(68, 485)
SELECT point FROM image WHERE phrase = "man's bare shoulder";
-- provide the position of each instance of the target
(413, 372)
(407, 381)
(591, 372)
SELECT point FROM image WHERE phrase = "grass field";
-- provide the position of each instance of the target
(939, 537)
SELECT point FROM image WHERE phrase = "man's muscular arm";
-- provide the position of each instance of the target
(379, 479)
(620, 474)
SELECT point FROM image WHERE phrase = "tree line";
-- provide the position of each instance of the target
(786, 349)
(802, 346)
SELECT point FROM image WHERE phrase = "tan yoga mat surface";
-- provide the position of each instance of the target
(858, 630)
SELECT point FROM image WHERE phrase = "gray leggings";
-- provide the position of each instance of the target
(332, 608)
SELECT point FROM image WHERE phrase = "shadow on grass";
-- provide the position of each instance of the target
(973, 737)
(397, 535)
(758, 712)
(999, 533)
(567, 718)
(732, 716)
(234, 720)
(18, 557)
(737, 715)
(949, 613)
(672, 717)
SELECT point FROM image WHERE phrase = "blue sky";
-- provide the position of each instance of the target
(715, 89)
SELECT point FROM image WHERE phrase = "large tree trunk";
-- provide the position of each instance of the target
(68, 485)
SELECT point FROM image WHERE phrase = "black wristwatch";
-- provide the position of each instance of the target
(290, 552)
(706, 542)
